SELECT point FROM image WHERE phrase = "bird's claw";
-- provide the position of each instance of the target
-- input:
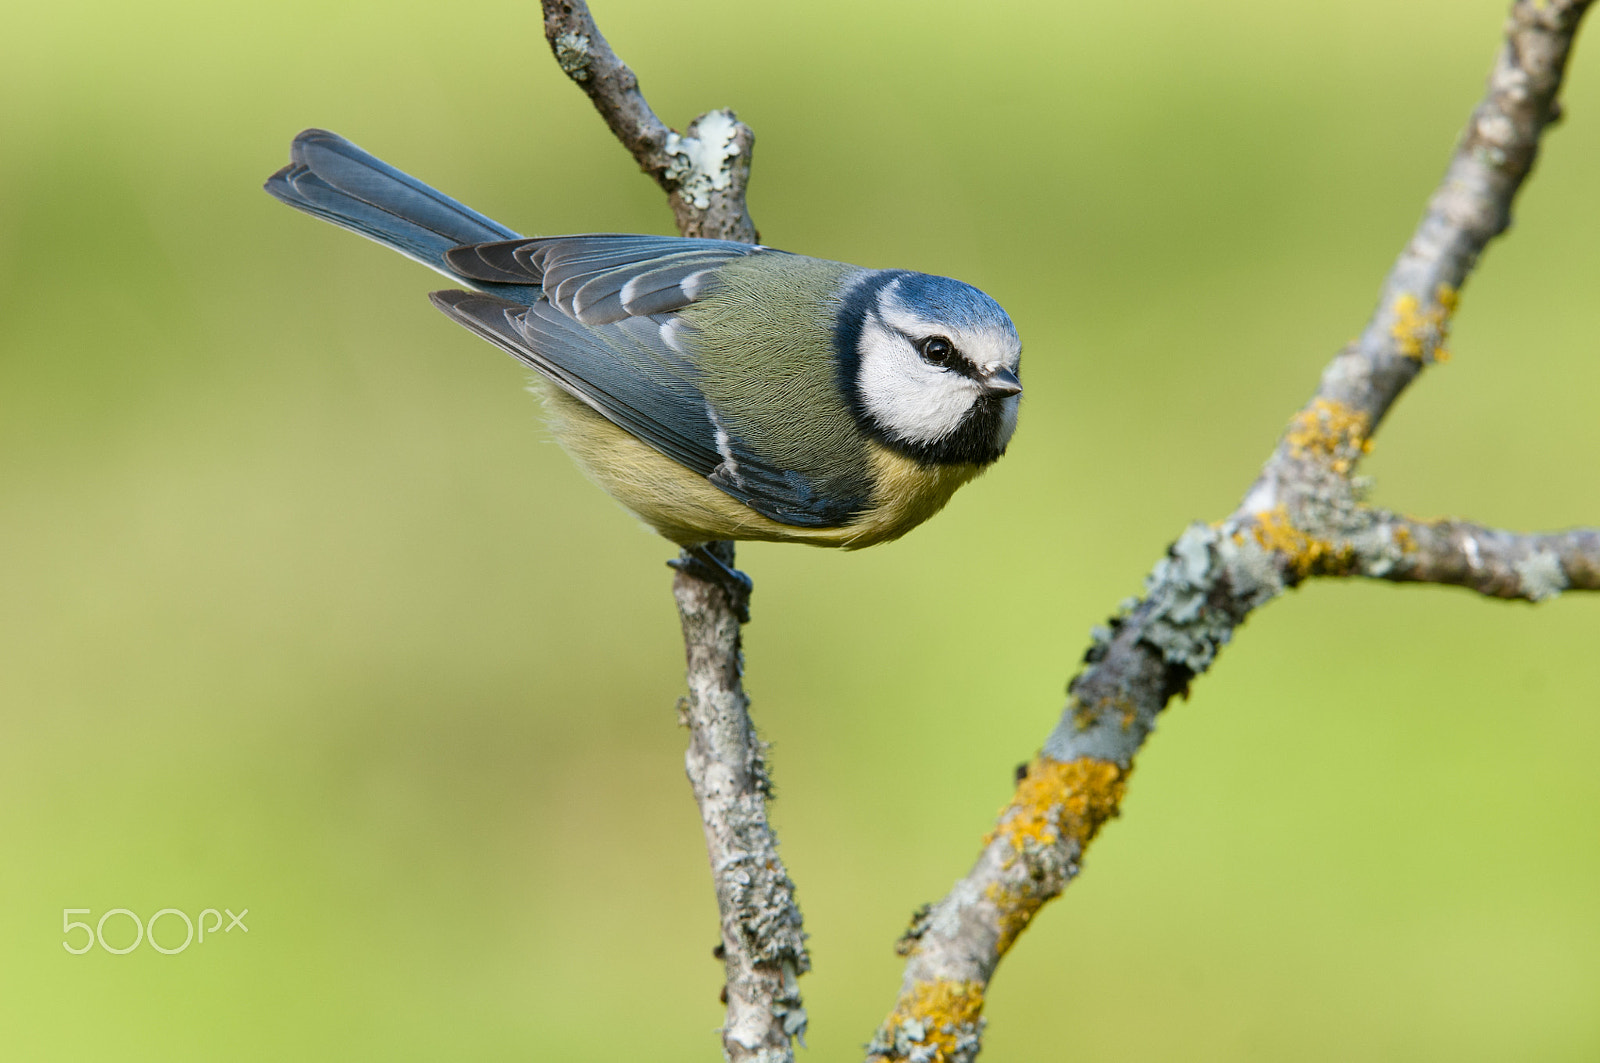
(704, 562)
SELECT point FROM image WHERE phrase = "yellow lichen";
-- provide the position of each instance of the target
(1061, 799)
(1273, 530)
(1330, 431)
(1420, 332)
(947, 1014)
(1405, 540)
(1056, 801)
(1016, 910)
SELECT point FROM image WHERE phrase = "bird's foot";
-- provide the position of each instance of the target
(705, 561)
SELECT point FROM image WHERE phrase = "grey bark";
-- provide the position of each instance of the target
(1304, 517)
(704, 172)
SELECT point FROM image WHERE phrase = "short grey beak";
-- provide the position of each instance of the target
(1002, 382)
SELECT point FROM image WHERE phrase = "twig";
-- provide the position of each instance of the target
(704, 173)
(1498, 563)
(1303, 517)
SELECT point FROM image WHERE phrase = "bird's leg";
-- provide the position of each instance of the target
(706, 561)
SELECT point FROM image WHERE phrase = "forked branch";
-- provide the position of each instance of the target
(1303, 517)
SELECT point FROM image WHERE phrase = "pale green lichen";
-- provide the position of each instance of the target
(788, 1007)
(700, 160)
(1210, 580)
(1382, 548)
(1206, 584)
(771, 1055)
(762, 897)
(1184, 627)
(1541, 575)
(573, 56)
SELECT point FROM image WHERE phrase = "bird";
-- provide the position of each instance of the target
(718, 390)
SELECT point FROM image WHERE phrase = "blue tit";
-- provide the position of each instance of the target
(718, 390)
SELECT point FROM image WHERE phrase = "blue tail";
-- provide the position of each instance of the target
(332, 178)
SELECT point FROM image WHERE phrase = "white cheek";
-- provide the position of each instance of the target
(916, 402)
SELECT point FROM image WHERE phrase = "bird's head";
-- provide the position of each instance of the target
(930, 365)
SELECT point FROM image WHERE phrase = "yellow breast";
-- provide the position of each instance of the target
(686, 508)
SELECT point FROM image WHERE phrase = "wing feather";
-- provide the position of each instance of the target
(640, 373)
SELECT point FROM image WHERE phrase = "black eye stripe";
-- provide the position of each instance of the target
(965, 366)
(955, 360)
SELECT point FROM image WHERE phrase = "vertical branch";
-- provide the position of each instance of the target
(704, 172)
(763, 944)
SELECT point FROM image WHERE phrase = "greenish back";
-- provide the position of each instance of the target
(774, 380)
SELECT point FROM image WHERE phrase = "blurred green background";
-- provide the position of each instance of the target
(305, 615)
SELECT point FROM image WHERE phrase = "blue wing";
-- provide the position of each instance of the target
(605, 331)
(646, 389)
(596, 314)
(602, 278)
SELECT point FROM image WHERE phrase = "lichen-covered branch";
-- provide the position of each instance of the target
(1498, 563)
(1322, 528)
(1472, 205)
(763, 944)
(704, 172)
(1304, 517)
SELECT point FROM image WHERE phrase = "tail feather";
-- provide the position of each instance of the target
(333, 179)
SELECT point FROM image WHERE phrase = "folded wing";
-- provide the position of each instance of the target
(606, 331)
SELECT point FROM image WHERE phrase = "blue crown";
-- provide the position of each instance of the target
(962, 305)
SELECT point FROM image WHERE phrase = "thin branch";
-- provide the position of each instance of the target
(1303, 517)
(704, 173)
(1471, 207)
(1498, 563)
(763, 944)
(704, 170)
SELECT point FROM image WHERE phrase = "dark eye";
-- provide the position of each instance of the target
(937, 349)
